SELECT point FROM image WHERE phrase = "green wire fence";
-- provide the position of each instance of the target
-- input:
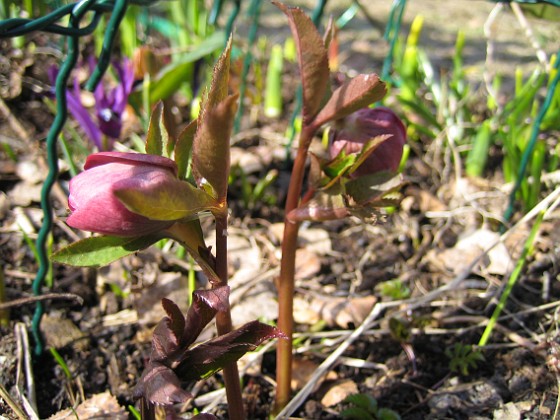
(74, 31)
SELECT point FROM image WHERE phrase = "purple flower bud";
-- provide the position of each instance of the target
(363, 125)
(93, 204)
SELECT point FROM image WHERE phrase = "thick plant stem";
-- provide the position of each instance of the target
(287, 271)
(224, 324)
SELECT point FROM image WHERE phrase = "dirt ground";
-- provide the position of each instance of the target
(425, 265)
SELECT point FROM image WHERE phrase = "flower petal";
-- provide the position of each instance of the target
(102, 158)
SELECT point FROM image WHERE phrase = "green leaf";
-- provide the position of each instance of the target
(312, 58)
(189, 235)
(356, 413)
(370, 188)
(171, 77)
(356, 93)
(478, 155)
(158, 141)
(340, 164)
(183, 148)
(400, 329)
(387, 414)
(99, 251)
(368, 149)
(174, 200)
(365, 401)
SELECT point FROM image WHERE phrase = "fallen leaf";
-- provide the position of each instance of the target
(308, 264)
(303, 369)
(335, 311)
(99, 406)
(60, 332)
(338, 392)
(469, 246)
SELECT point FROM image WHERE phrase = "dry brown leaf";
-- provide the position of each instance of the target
(335, 311)
(99, 406)
(303, 370)
(338, 392)
(308, 264)
(469, 246)
(316, 240)
(60, 332)
(422, 200)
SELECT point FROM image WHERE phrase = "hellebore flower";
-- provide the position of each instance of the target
(95, 207)
(110, 104)
(363, 125)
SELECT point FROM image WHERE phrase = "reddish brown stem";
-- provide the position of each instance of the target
(287, 272)
(224, 324)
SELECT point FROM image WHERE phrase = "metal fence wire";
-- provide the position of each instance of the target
(79, 25)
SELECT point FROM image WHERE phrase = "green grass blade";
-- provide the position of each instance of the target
(60, 361)
(527, 250)
(478, 155)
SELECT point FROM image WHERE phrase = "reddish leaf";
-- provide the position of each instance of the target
(207, 358)
(164, 342)
(175, 332)
(220, 79)
(356, 93)
(211, 148)
(176, 323)
(312, 57)
(205, 305)
(160, 385)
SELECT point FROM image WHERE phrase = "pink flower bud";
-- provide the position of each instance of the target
(94, 206)
(363, 125)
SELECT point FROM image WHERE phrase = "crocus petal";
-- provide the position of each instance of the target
(109, 123)
(82, 116)
(125, 73)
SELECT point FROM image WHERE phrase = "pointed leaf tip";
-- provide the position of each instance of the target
(312, 57)
(211, 147)
(358, 92)
(176, 319)
(158, 140)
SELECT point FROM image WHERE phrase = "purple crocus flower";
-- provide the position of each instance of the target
(110, 104)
